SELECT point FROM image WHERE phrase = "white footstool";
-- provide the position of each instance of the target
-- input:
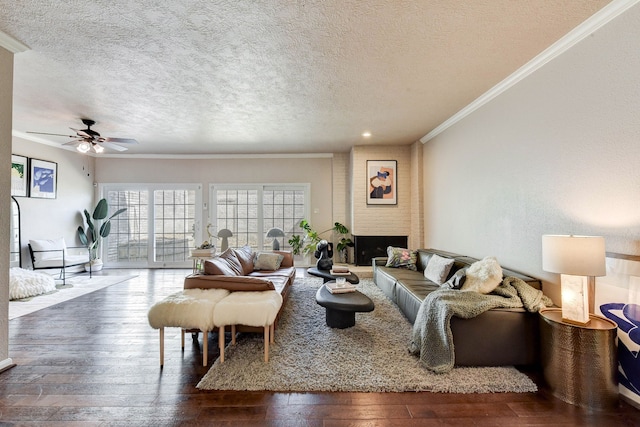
(254, 308)
(188, 309)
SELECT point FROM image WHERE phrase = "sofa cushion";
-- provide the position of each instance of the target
(231, 283)
(438, 269)
(229, 255)
(287, 261)
(267, 261)
(217, 266)
(401, 258)
(55, 246)
(483, 276)
(245, 257)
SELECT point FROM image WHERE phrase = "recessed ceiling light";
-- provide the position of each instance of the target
(366, 134)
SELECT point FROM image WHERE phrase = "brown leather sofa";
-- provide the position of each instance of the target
(497, 337)
(234, 270)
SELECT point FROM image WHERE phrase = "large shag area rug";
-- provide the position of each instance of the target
(372, 356)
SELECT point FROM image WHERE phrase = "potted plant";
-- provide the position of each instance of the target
(98, 227)
(344, 243)
(308, 244)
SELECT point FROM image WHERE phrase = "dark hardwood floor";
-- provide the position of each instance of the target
(94, 361)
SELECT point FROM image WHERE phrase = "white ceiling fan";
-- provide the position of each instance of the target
(88, 139)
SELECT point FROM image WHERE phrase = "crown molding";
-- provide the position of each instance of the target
(588, 27)
(218, 156)
(41, 140)
(11, 44)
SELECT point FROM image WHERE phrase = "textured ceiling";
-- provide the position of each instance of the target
(298, 76)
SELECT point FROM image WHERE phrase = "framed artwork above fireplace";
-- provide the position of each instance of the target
(382, 182)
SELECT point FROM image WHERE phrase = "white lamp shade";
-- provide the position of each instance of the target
(575, 255)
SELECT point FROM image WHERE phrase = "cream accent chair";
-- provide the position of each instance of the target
(54, 254)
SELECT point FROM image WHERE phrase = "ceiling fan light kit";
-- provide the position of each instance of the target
(83, 147)
(87, 139)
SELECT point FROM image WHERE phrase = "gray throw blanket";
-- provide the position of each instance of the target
(432, 338)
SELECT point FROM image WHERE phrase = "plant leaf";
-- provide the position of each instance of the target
(101, 210)
(118, 212)
(83, 236)
(105, 229)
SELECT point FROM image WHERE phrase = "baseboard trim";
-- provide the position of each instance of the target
(6, 364)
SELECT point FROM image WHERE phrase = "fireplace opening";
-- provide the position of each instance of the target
(368, 247)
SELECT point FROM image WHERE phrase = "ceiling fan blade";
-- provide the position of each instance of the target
(75, 141)
(113, 146)
(120, 140)
(53, 134)
(82, 133)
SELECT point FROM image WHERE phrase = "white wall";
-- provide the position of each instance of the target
(59, 217)
(557, 153)
(240, 170)
(6, 97)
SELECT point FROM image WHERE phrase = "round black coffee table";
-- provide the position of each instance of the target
(327, 276)
(341, 309)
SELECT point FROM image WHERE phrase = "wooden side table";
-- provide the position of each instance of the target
(579, 363)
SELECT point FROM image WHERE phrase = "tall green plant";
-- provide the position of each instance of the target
(98, 227)
(309, 243)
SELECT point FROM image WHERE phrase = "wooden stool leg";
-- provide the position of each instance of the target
(233, 334)
(266, 343)
(205, 347)
(272, 332)
(161, 347)
(221, 342)
(182, 337)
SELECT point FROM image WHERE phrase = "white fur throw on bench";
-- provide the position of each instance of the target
(208, 309)
(188, 309)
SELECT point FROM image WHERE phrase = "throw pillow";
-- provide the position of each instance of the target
(483, 276)
(438, 269)
(245, 256)
(267, 261)
(219, 267)
(401, 258)
(457, 280)
(230, 256)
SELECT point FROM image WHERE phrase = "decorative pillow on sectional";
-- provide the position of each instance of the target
(230, 256)
(438, 269)
(457, 280)
(245, 256)
(267, 261)
(483, 276)
(219, 267)
(401, 258)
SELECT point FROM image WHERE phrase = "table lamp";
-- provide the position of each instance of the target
(578, 259)
(224, 234)
(275, 233)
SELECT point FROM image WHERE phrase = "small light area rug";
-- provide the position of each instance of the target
(75, 286)
(372, 356)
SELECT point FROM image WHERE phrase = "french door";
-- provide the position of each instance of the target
(250, 211)
(159, 227)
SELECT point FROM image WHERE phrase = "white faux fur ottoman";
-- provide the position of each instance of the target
(188, 309)
(254, 308)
